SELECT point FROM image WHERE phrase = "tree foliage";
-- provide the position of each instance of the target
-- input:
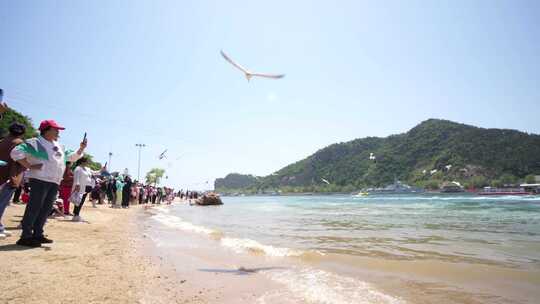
(11, 116)
(530, 179)
(235, 181)
(93, 164)
(154, 176)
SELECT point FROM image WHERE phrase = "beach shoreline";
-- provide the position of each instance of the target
(235, 234)
(111, 258)
(95, 261)
(204, 272)
(136, 256)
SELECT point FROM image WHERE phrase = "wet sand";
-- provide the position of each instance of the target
(206, 273)
(109, 259)
(429, 281)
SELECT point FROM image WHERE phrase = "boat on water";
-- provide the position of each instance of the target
(396, 188)
(503, 191)
(361, 194)
(531, 188)
(452, 187)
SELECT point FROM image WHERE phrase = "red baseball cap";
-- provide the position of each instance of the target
(50, 124)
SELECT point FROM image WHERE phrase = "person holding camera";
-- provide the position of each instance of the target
(44, 181)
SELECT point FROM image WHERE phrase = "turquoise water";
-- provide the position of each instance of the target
(337, 241)
(468, 228)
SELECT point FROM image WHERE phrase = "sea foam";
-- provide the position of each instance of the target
(318, 286)
(251, 246)
(239, 245)
(176, 222)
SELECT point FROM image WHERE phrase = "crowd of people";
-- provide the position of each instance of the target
(49, 179)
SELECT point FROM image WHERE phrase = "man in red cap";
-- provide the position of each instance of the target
(44, 181)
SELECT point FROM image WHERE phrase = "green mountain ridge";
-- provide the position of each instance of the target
(235, 181)
(472, 155)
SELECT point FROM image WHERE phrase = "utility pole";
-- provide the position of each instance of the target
(140, 146)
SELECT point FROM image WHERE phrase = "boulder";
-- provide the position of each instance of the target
(209, 199)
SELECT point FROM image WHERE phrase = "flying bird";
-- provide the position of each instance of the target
(162, 155)
(325, 181)
(249, 74)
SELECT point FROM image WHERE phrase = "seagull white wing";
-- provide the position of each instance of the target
(241, 68)
(325, 181)
(273, 76)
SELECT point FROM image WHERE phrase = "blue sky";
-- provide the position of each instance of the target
(150, 72)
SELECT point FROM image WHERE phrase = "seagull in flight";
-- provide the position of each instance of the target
(324, 180)
(249, 74)
(162, 155)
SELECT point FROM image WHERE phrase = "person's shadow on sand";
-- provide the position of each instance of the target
(15, 247)
(71, 221)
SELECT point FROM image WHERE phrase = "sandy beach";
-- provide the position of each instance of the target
(109, 259)
(89, 262)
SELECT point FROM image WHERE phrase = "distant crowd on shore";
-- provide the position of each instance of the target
(48, 178)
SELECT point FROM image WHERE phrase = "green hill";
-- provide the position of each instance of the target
(474, 156)
(235, 181)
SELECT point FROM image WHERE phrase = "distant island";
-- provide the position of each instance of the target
(429, 155)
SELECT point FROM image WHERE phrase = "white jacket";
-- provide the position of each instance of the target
(53, 168)
(82, 176)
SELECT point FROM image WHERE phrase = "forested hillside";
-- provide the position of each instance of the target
(432, 152)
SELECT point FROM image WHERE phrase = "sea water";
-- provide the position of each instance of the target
(352, 249)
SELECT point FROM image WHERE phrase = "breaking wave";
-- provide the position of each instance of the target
(318, 286)
(239, 245)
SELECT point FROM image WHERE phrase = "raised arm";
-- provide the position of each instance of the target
(73, 157)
